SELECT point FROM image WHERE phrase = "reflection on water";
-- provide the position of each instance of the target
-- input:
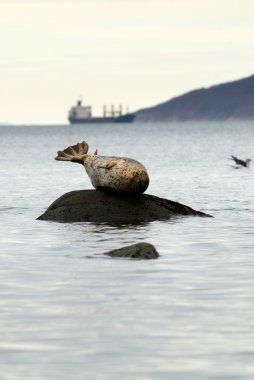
(70, 312)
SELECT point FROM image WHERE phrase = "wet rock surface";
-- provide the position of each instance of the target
(102, 207)
(139, 251)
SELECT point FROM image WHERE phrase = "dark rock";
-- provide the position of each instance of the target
(141, 251)
(102, 207)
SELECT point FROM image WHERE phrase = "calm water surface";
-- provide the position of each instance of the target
(69, 312)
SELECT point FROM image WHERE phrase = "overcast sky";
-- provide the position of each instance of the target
(135, 52)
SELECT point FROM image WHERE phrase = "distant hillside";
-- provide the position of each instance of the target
(227, 101)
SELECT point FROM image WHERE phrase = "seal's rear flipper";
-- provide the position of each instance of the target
(74, 153)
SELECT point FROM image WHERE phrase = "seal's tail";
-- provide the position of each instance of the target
(74, 153)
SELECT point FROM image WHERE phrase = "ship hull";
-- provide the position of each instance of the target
(128, 118)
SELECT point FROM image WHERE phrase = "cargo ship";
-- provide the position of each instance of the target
(80, 114)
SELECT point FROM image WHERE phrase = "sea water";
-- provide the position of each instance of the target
(69, 312)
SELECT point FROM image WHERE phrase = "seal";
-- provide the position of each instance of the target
(119, 175)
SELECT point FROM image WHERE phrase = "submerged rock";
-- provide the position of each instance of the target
(141, 251)
(102, 207)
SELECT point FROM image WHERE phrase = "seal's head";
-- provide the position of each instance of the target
(139, 179)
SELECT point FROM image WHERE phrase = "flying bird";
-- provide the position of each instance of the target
(245, 163)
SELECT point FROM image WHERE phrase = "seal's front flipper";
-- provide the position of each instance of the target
(74, 153)
(109, 165)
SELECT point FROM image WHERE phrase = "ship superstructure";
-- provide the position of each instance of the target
(80, 114)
